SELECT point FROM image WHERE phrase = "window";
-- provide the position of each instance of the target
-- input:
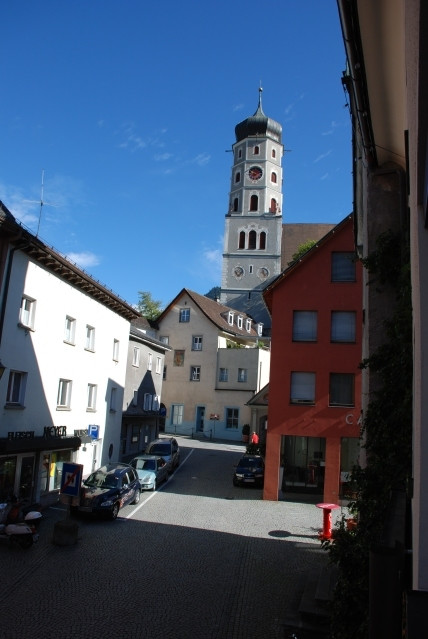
(305, 326)
(343, 326)
(254, 203)
(241, 240)
(135, 398)
(273, 177)
(16, 388)
(147, 401)
(116, 350)
(242, 374)
(136, 356)
(248, 325)
(164, 373)
(240, 320)
(238, 176)
(342, 267)
(260, 329)
(27, 311)
(90, 338)
(252, 239)
(230, 318)
(273, 206)
(262, 241)
(70, 330)
(197, 343)
(251, 269)
(235, 204)
(184, 314)
(149, 361)
(135, 433)
(64, 393)
(341, 389)
(232, 417)
(164, 339)
(273, 153)
(158, 365)
(224, 375)
(177, 414)
(195, 373)
(302, 388)
(92, 397)
(256, 150)
(113, 400)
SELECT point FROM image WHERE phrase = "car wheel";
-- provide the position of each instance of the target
(114, 511)
(137, 496)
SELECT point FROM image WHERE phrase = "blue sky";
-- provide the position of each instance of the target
(128, 108)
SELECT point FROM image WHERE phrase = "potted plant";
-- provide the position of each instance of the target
(246, 432)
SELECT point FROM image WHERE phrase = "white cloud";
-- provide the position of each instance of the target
(202, 159)
(84, 260)
(162, 157)
(322, 156)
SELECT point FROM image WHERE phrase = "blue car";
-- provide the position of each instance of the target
(108, 489)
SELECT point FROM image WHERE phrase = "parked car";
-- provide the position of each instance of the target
(108, 489)
(152, 470)
(249, 470)
(167, 448)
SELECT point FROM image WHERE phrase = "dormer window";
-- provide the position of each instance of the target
(240, 321)
(259, 329)
(230, 318)
(248, 325)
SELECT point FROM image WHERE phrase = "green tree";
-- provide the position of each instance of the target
(147, 306)
(301, 249)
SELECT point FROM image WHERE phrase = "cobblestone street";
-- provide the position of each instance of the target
(197, 559)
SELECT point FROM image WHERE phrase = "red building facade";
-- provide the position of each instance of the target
(315, 382)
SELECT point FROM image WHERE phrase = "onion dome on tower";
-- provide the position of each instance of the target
(259, 125)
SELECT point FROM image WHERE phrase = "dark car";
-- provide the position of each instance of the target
(167, 448)
(108, 489)
(151, 470)
(250, 470)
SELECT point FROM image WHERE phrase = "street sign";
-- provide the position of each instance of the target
(71, 479)
(94, 431)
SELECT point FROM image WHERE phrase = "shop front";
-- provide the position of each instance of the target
(31, 466)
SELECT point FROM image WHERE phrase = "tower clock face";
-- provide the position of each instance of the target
(255, 173)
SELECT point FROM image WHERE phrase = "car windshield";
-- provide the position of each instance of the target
(102, 480)
(249, 464)
(160, 449)
(147, 464)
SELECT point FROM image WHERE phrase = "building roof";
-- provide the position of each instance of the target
(258, 124)
(294, 235)
(22, 239)
(216, 313)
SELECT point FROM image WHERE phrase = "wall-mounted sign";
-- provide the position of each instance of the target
(94, 431)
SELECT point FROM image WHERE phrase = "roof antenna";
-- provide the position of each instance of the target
(42, 203)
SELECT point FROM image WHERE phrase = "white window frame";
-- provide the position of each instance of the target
(248, 325)
(149, 361)
(148, 401)
(136, 357)
(70, 330)
(158, 365)
(240, 321)
(223, 375)
(197, 343)
(16, 388)
(92, 397)
(184, 316)
(302, 387)
(232, 418)
(242, 374)
(116, 348)
(164, 339)
(230, 318)
(64, 394)
(90, 338)
(177, 414)
(27, 312)
(195, 373)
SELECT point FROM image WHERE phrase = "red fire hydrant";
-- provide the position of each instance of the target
(326, 508)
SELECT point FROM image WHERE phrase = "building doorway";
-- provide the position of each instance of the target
(303, 461)
(200, 417)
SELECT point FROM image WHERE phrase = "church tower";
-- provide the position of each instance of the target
(253, 226)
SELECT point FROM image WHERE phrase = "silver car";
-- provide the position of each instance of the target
(166, 447)
(152, 470)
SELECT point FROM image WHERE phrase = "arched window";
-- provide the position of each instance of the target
(240, 153)
(273, 177)
(256, 150)
(252, 238)
(235, 204)
(242, 240)
(273, 206)
(238, 176)
(254, 203)
(273, 153)
(262, 242)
